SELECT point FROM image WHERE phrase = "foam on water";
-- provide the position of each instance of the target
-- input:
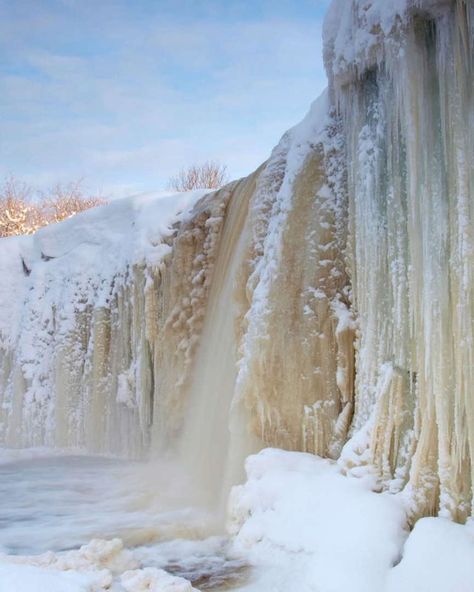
(57, 503)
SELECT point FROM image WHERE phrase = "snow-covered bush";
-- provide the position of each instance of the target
(209, 175)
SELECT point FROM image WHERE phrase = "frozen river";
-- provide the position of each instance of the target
(62, 502)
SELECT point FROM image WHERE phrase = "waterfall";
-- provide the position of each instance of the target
(209, 448)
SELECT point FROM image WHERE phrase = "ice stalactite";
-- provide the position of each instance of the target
(409, 127)
(80, 378)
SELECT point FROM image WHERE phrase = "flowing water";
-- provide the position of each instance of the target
(61, 502)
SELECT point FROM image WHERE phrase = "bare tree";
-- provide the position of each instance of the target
(20, 214)
(17, 214)
(209, 175)
(65, 200)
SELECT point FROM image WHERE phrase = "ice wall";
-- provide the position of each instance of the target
(274, 364)
(408, 113)
(79, 320)
(295, 370)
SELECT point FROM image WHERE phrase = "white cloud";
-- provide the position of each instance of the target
(127, 104)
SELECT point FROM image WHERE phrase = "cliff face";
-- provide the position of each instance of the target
(324, 303)
(408, 121)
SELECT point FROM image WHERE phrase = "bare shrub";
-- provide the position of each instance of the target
(17, 214)
(65, 200)
(209, 175)
(20, 214)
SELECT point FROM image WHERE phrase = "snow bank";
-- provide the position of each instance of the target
(100, 565)
(438, 557)
(92, 246)
(25, 578)
(306, 527)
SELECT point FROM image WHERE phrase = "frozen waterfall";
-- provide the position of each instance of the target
(325, 303)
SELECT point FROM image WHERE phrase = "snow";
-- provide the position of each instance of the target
(151, 579)
(438, 557)
(99, 565)
(306, 527)
(304, 524)
(344, 316)
(97, 243)
(25, 578)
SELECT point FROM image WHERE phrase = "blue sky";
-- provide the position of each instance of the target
(123, 93)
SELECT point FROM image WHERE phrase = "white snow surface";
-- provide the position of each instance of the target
(100, 565)
(438, 557)
(304, 526)
(90, 247)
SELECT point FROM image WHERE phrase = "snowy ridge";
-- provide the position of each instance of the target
(91, 247)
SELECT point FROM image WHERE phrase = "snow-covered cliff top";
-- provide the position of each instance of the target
(88, 248)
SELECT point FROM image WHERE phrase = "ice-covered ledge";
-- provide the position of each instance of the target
(357, 33)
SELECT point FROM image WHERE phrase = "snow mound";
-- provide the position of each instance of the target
(151, 579)
(99, 565)
(303, 523)
(438, 557)
(304, 526)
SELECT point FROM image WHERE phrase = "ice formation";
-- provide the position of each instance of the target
(323, 304)
(76, 324)
(409, 130)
